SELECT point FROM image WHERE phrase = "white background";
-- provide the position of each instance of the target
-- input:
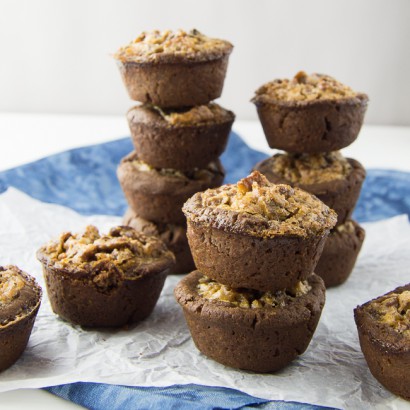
(55, 55)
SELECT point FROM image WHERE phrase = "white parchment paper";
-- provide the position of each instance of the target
(160, 352)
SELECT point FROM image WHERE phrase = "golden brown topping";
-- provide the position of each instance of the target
(248, 298)
(19, 294)
(270, 209)
(11, 284)
(307, 169)
(394, 311)
(347, 227)
(304, 87)
(201, 114)
(155, 45)
(123, 249)
(195, 174)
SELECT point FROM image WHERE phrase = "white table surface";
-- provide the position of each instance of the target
(27, 137)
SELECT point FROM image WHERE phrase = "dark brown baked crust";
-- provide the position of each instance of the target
(184, 147)
(341, 194)
(385, 339)
(295, 122)
(20, 299)
(257, 339)
(179, 84)
(339, 254)
(174, 236)
(158, 195)
(245, 261)
(105, 281)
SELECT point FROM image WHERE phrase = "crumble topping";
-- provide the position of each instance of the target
(347, 227)
(394, 311)
(307, 169)
(304, 87)
(152, 46)
(263, 208)
(19, 294)
(11, 284)
(201, 114)
(123, 249)
(249, 298)
(205, 174)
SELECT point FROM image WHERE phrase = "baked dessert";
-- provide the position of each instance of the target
(335, 180)
(174, 69)
(250, 330)
(174, 237)
(310, 113)
(109, 280)
(182, 139)
(257, 235)
(340, 252)
(158, 194)
(20, 299)
(383, 325)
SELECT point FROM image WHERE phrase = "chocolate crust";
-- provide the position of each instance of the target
(387, 352)
(261, 340)
(180, 147)
(80, 302)
(14, 338)
(246, 261)
(160, 197)
(174, 236)
(339, 255)
(311, 126)
(341, 195)
(15, 334)
(175, 84)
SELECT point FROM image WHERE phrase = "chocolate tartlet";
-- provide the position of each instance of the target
(383, 325)
(20, 299)
(249, 330)
(174, 69)
(108, 280)
(256, 234)
(181, 139)
(310, 113)
(174, 237)
(340, 252)
(335, 180)
(158, 194)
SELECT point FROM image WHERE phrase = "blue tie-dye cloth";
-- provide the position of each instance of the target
(84, 179)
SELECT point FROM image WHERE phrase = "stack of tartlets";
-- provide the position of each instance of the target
(311, 117)
(177, 132)
(254, 301)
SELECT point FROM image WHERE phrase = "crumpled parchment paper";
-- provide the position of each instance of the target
(160, 352)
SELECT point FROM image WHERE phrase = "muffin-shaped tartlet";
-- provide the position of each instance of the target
(335, 180)
(250, 330)
(256, 234)
(181, 139)
(340, 252)
(383, 325)
(174, 69)
(310, 113)
(20, 299)
(158, 194)
(174, 237)
(109, 280)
